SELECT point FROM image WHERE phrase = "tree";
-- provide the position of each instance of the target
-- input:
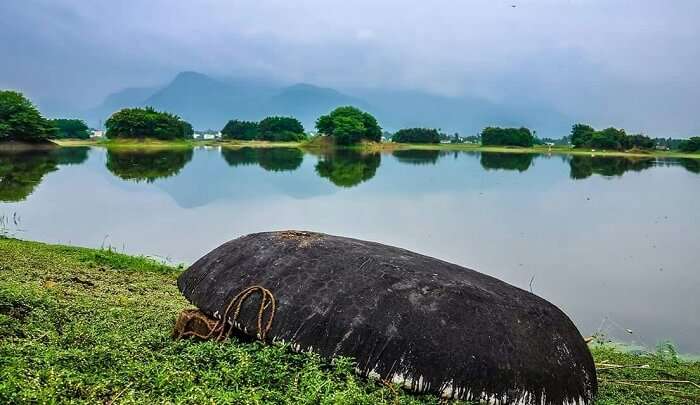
(639, 141)
(147, 123)
(690, 145)
(609, 138)
(416, 135)
(71, 128)
(507, 136)
(349, 125)
(20, 120)
(243, 130)
(281, 129)
(581, 135)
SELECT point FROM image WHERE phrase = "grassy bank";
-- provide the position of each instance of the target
(375, 147)
(94, 326)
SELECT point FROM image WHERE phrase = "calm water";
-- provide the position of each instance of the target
(614, 242)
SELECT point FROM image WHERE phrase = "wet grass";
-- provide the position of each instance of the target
(84, 325)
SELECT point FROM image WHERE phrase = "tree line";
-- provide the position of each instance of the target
(347, 125)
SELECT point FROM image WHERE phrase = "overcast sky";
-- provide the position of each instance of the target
(630, 63)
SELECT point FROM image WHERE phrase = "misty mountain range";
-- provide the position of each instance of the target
(208, 103)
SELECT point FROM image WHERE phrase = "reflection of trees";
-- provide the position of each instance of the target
(418, 156)
(21, 172)
(270, 159)
(506, 161)
(691, 165)
(147, 164)
(585, 166)
(71, 156)
(348, 168)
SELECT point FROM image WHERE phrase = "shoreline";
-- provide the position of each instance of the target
(376, 147)
(83, 314)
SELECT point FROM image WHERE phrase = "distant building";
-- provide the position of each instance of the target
(97, 133)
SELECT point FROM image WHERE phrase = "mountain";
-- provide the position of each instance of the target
(129, 97)
(208, 103)
(307, 102)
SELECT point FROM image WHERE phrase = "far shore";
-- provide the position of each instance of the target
(375, 147)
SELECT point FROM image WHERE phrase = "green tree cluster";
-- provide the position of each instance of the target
(585, 136)
(21, 121)
(242, 130)
(147, 123)
(507, 136)
(349, 125)
(690, 145)
(71, 129)
(278, 129)
(416, 135)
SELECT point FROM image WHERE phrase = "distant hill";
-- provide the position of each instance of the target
(208, 103)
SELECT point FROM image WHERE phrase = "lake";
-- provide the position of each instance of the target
(614, 242)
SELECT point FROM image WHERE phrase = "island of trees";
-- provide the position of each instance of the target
(147, 123)
(585, 136)
(349, 125)
(277, 129)
(416, 135)
(495, 136)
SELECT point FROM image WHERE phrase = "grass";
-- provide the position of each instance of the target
(85, 325)
(374, 147)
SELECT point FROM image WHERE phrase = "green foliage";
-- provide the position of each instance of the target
(348, 168)
(643, 379)
(242, 130)
(349, 125)
(507, 137)
(416, 135)
(281, 129)
(147, 123)
(581, 135)
(147, 164)
(276, 129)
(584, 136)
(690, 145)
(89, 326)
(71, 129)
(20, 120)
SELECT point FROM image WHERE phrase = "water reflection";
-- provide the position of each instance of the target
(506, 161)
(348, 168)
(22, 172)
(418, 156)
(147, 164)
(270, 159)
(691, 165)
(585, 166)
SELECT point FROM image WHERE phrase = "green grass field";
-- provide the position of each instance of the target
(86, 326)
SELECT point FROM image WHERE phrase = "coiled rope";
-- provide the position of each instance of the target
(222, 331)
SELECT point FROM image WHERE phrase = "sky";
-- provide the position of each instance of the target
(632, 64)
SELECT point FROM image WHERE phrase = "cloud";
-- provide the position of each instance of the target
(589, 57)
